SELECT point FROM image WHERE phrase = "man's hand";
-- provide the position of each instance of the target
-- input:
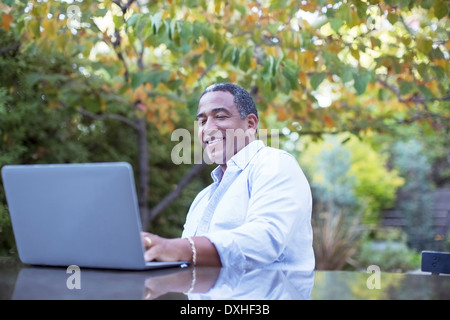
(162, 249)
(179, 249)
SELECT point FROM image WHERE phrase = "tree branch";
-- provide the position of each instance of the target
(207, 69)
(167, 95)
(107, 116)
(415, 98)
(169, 198)
(116, 44)
(123, 7)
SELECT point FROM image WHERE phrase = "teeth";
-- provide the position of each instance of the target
(213, 141)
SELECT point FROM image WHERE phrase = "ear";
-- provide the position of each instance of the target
(252, 123)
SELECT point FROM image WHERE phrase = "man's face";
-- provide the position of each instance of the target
(222, 132)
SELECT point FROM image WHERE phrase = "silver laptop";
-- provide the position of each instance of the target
(77, 214)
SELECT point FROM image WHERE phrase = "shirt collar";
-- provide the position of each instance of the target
(243, 157)
(240, 159)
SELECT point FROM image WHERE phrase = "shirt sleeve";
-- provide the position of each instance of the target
(279, 203)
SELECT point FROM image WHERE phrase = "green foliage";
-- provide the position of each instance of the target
(7, 243)
(350, 185)
(328, 168)
(388, 249)
(416, 199)
(349, 177)
(38, 124)
(376, 185)
(389, 256)
(288, 52)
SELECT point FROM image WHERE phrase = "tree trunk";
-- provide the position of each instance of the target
(174, 194)
(143, 171)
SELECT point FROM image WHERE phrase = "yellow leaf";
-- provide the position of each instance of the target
(217, 7)
(160, 100)
(272, 51)
(139, 94)
(49, 27)
(165, 15)
(61, 42)
(148, 86)
(441, 62)
(333, 47)
(201, 48)
(296, 95)
(174, 116)
(306, 60)
(253, 63)
(53, 104)
(103, 105)
(303, 78)
(6, 21)
(282, 114)
(431, 84)
(191, 79)
(150, 116)
(355, 53)
(328, 121)
(309, 6)
(252, 18)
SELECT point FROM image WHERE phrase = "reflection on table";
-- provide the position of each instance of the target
(346, 285)
(28, 282)
(171, 283)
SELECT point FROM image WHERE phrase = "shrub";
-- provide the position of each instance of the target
(390, 256)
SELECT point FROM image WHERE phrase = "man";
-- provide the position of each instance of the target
(258, 209)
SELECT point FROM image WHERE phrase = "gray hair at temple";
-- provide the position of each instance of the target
(242, 99)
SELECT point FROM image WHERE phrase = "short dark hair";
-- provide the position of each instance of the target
(242, 99)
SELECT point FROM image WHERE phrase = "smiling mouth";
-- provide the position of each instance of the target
(214, 141)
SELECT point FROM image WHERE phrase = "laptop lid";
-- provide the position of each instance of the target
(76, 214)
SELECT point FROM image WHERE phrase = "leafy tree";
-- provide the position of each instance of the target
(144, 64)
(35, 128)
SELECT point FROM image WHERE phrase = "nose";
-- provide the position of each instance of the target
(209, 124)
(209, 128)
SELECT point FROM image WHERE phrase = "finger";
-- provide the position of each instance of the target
(150, 254)
(147, 294)
(147, 240)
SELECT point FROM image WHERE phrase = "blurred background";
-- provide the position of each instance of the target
(358, 90)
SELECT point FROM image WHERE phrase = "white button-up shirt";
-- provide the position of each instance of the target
(257, 212)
